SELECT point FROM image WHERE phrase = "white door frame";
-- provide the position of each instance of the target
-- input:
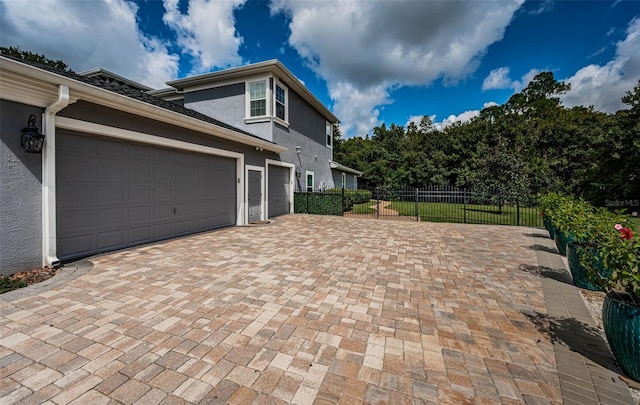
(262, 192)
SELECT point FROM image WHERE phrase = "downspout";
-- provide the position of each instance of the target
(49, 255)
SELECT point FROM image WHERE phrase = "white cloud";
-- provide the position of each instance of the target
(206, 32)
(604, 86)
(88, 34)
(452, 119)
(416, 119)
(373, 47)
(499, 79)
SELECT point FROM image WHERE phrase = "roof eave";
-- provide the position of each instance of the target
(110, 99)
(273, 66)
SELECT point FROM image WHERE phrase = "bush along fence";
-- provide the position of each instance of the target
(434, 204)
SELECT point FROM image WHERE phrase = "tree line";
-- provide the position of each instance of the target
(531, 144)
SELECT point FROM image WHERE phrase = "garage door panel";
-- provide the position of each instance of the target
(140, 235)
(163, 231)
(80, 244)
(112, 217)
(79, 220)
(140, 193)
(111, 240)
(183, 228)
(109, 194)
(141, 214)
(140, 153)
(76, 193)
(164, 192)
(76, 144)
(78, 168)
(140, 172)
(111, 148)
(124, 194)
(111, 170)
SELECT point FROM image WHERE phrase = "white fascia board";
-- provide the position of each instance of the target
(119, 102)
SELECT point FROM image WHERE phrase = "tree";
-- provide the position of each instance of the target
(16, 52)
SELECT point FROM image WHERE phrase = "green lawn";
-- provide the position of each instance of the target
(449, 212)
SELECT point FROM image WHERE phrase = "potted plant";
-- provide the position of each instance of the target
(619, 252)
(548, 205)
(583, 253)
(568, 219)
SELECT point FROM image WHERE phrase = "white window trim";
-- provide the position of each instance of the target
(247, 168)
(328, 139)
(270, 162)
(280, 121)
(355, 182)
(247, 93)
(306, 180)
(344, 180)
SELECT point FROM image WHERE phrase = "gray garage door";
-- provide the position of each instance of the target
(279, 190)
(111, 194)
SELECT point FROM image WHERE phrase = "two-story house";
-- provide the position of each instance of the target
(121, 165)
(267, 100)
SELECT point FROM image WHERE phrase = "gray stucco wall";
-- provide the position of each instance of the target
(20, 192)
(227, 104)
(352, 183)
(307, 130)
(85, 111)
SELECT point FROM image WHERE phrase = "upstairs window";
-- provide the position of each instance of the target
(329, 134)
(281, 102)
(258, 99)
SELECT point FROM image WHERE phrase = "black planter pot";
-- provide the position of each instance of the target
(621, 321)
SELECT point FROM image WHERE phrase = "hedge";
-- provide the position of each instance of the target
(317, 203)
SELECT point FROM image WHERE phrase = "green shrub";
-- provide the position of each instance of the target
(324, 203)
(9, 284)
(352, 196)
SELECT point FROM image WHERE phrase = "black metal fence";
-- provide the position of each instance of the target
(434, 204)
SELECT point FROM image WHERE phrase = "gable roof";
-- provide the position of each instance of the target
(109, 76)
(98, 91)
(273, 66)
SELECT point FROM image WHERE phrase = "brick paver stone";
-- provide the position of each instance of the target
(304, 310)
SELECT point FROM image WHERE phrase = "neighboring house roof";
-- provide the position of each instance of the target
(111, 77)
(128, 99)
(273, 66)
(336, 165)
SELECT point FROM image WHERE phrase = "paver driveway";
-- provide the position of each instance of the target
(304, 310)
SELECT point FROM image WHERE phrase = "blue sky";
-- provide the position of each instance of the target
(369, 61)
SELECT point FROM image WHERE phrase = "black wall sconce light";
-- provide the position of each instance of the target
(32, 139)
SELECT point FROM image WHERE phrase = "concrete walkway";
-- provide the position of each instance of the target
(305, 310)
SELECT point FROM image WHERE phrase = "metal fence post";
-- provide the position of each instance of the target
(518, 209)
(417, 208)
(464, 201)
(343, 200)
(377, 202)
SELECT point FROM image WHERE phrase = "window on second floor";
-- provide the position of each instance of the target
(258, 99)
(329, 134)
(280, 102)
(267, 100)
